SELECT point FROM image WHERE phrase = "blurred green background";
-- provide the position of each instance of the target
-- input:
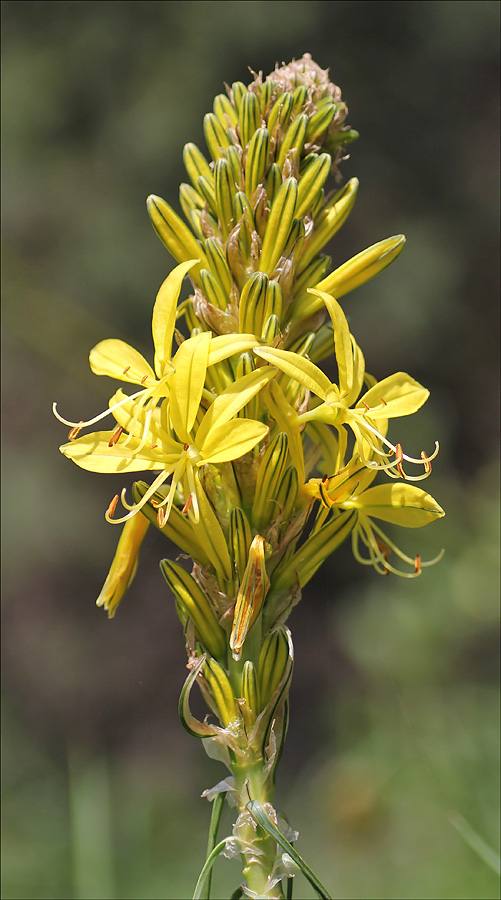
(393, 744)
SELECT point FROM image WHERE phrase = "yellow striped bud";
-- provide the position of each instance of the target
(266, 92)
(195, 163)
(273, 181)
(279, 225)
(218, 263)
(216, 137)
(256, 163)
(299, 97)
(270, 474)
(249, 117)
(274, 664)
(305, 562)
(225, 191)
(310, 276)
(207, 189)
(319, 122)
(240, 539)
(174, 234)
(234, 158)
(274, 300)
(238, 90)
(193, 603)
(250, 598)
(330, 220)
(281, 111)
(250, 690)
(287, 493)
(252, 304)
(294, 138)
(213, 289)
(311, 183)
(360, 268)
(221, 690)
(225, 111)
(189, 200)
(242, 207)
(295, 239)
(271, 330)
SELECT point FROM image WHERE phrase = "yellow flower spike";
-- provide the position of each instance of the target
(195, 604)
(250, 597)
(174, 234)
(279, 225)
(124, 565)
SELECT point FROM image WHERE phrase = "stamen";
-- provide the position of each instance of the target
(144, 379)
(187, 505)
(112, 507)
(125, 370)
(417, 565)
(399, 453)
(115, 437)
(74, 432)
(383, 401)
(186, 447)
(161, 517)
(153, 446)
(427, 464)
(366, 405)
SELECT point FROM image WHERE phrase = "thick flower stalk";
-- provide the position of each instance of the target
(263, 465)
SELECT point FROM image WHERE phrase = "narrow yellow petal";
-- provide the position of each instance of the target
(297, 367)
(117, 359)
(396, 395)
(401, 504)
(187, 383)
(342, 341)
(93, 453)
(124, 565)
(232, 440)
(164, 315)
(232, 400)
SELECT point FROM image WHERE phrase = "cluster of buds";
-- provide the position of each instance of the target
(271, 464)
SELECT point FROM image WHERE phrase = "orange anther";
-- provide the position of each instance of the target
(187, 505)
(153, 446)
(115, 437)
(144, 379)
(186, 447)
(427, 464)
(383, 401)
(366, 405)
(417, 564)
(399, 457)
(161, 519)
(74, 432)
(125, 370)
(113, 505)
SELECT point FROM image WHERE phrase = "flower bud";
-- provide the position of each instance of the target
(250, 598)
(195, 604)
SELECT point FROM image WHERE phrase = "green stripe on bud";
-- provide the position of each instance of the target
(218, 264)
(266, 92)
(221, 690)
(246, 365)
(274, 300)
(194, 603)
(270, 474)
(330, 220)
(253, 304)
(295, 239)
(311, 183)
(234, 157)
(274, 664)
(225, 111)
(281, 112)
(310, 277)
(287, 493)
(174, 234)
(251, 594)
(189, 200)
(299, 97)
(216, 137)
(282, 215)
(225, 191)
(271, 330)
(256, 163)
(238, 90)
(195, 163)
(294, 138)
(249, 117)
(177, 528)
(207, 189)
(239, 540)
(242, 207)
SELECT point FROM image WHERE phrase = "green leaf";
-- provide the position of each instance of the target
(217, 808)
(209, 862)
(259, 814)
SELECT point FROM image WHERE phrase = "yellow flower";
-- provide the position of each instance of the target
(397, 395)
(124, 565)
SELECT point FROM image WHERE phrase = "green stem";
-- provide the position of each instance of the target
(259, 849)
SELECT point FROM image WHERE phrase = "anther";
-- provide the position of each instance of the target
(153, 446)
(186, 447)
(366, 405)
(74, 432)
(112, 507)
(144, 379)
(399, 453)
(161, 519)
(426, 462)
(187, 505)
(417, 564)
(115, 437)
(125, 370)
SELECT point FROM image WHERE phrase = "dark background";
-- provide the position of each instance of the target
(393, 744)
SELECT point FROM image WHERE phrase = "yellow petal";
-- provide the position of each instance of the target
(401, 504)
(232, 440)
(342, 341)
(232, 400)
(187, 383)
(117, 359)
(226, 345)
(164, 315)
(93, 453)
(124, 565)
(397, 395)
(210, 536)
(298, 368)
